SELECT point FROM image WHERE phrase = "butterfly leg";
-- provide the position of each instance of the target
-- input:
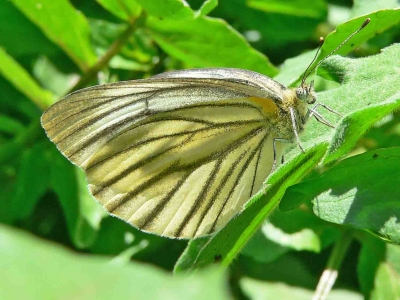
(313, 110)
(296, 127)
(327, 108)
(280, 140)
(320, 118)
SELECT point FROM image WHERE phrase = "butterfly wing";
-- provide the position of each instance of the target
(258, 84)
(176, 155)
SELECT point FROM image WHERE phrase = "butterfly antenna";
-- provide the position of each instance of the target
(309, 71)
(321, 42)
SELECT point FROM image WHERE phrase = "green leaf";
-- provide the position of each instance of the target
(138, 52)
(125, 10)
(167, 9)
(206, 7)
(207, 42)
(354, 126)
(227, 243)
(369, 85)
(361, 191)
(262, 249)
(293, 68)
(298, 230)
(116, 236)
(10, 149)
(33, 269)
(31, 183)
(125, 257)
(51, 78)
(30, 41)
(387, 279)
(380, 21)
(82, 213)
(303, 8)
(372, 254)
(292, 29)
(70, 33)
(22, 81)
(10, 126)
(91, 211)
(16, 105)
(13, 148)
(362, 7)
(366, 82)
(257, 289)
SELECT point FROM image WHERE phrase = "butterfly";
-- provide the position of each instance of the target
(179, 154)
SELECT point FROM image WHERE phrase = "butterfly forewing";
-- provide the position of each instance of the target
(174, 156)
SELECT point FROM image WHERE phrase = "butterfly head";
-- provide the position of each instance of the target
(306, 93)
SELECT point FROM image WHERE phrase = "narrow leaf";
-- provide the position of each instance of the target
(22, 81)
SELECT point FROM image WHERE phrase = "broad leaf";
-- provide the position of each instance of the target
(361, 191)
(70, 33)
(33, 269)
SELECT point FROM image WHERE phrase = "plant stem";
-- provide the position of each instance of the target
(103, 61)
(328, 277)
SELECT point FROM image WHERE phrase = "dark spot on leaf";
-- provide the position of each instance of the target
(217, 258)
(375, 156)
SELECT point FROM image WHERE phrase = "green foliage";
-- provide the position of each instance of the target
(48, 48)
(315, 9)
(350, 194)
(22, 81)
(70, 33)
(55, 272)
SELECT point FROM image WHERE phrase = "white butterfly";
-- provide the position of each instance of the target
(180, 153)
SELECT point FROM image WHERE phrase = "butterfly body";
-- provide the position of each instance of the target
(178, 154)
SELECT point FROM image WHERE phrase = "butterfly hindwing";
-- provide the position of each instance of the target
(177, 158)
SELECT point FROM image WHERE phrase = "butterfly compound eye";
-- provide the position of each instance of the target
(302, 93)
(306, 94)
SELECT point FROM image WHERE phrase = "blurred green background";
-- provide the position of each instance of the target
(49, 48)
